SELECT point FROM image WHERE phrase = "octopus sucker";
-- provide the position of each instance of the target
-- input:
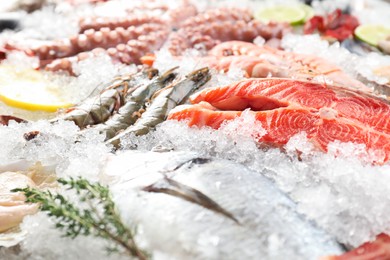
(91, 39)
(224, 31)
(180, 27)
(179, 15)
(127, 51)
(219, 15)
(97, 23)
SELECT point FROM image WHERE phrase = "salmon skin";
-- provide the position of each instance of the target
(286, 107)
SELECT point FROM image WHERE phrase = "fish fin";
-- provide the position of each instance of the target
(177, 189)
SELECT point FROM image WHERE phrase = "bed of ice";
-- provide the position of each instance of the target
(341, 192)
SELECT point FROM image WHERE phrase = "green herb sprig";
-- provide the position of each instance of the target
(99, 218)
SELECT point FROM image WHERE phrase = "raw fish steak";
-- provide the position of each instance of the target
(286, 107)
(379, 249)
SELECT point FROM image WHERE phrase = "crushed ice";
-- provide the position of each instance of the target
(57, 144)
(47, 24)
(92, 75)
(339, 191)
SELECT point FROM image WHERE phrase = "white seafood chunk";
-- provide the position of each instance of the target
(12, 205)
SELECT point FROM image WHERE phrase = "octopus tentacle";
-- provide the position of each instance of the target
(65, 64)
(224, 31)
(135, 49)
(91, 39)
(96, 23)
(127, 53)
(219, 15)
(179, 16)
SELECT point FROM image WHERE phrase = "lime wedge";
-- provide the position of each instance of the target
(278, 13)
(309, 12)
(28, 89)
(372, 33)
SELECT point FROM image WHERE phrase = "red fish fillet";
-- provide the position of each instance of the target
(264, 94)
(286, 107)
(376, 250)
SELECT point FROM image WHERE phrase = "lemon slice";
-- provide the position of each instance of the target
(372, 33)
(278, 13)
(28, 89)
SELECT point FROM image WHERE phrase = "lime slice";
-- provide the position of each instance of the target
(278, 13)
(28, 89)
(309, 12)
(372, 33)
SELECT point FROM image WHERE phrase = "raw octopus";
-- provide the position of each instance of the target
(127, 39)
(124, 39)
(286, 107)
(124, 45)
(214, 26)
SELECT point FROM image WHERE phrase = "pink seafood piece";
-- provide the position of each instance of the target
(379, 249)
(286, 107)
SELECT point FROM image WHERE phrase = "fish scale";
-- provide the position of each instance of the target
(269, 225)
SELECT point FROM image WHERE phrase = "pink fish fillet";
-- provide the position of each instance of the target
(286, 107)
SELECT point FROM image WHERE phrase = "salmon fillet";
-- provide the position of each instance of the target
(286, 107)
(264, 94)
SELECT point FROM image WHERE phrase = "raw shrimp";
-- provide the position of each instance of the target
(134, 103)
(98, 109)
(169, 98)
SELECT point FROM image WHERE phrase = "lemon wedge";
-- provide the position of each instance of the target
(372, 33)
(28, 89)
(294, 14)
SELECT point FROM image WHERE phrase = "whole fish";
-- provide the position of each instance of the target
(165, 101)
(182, 227)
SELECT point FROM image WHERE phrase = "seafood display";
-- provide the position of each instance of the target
(194, 129)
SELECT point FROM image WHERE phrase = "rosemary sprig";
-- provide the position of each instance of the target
(99, 219)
